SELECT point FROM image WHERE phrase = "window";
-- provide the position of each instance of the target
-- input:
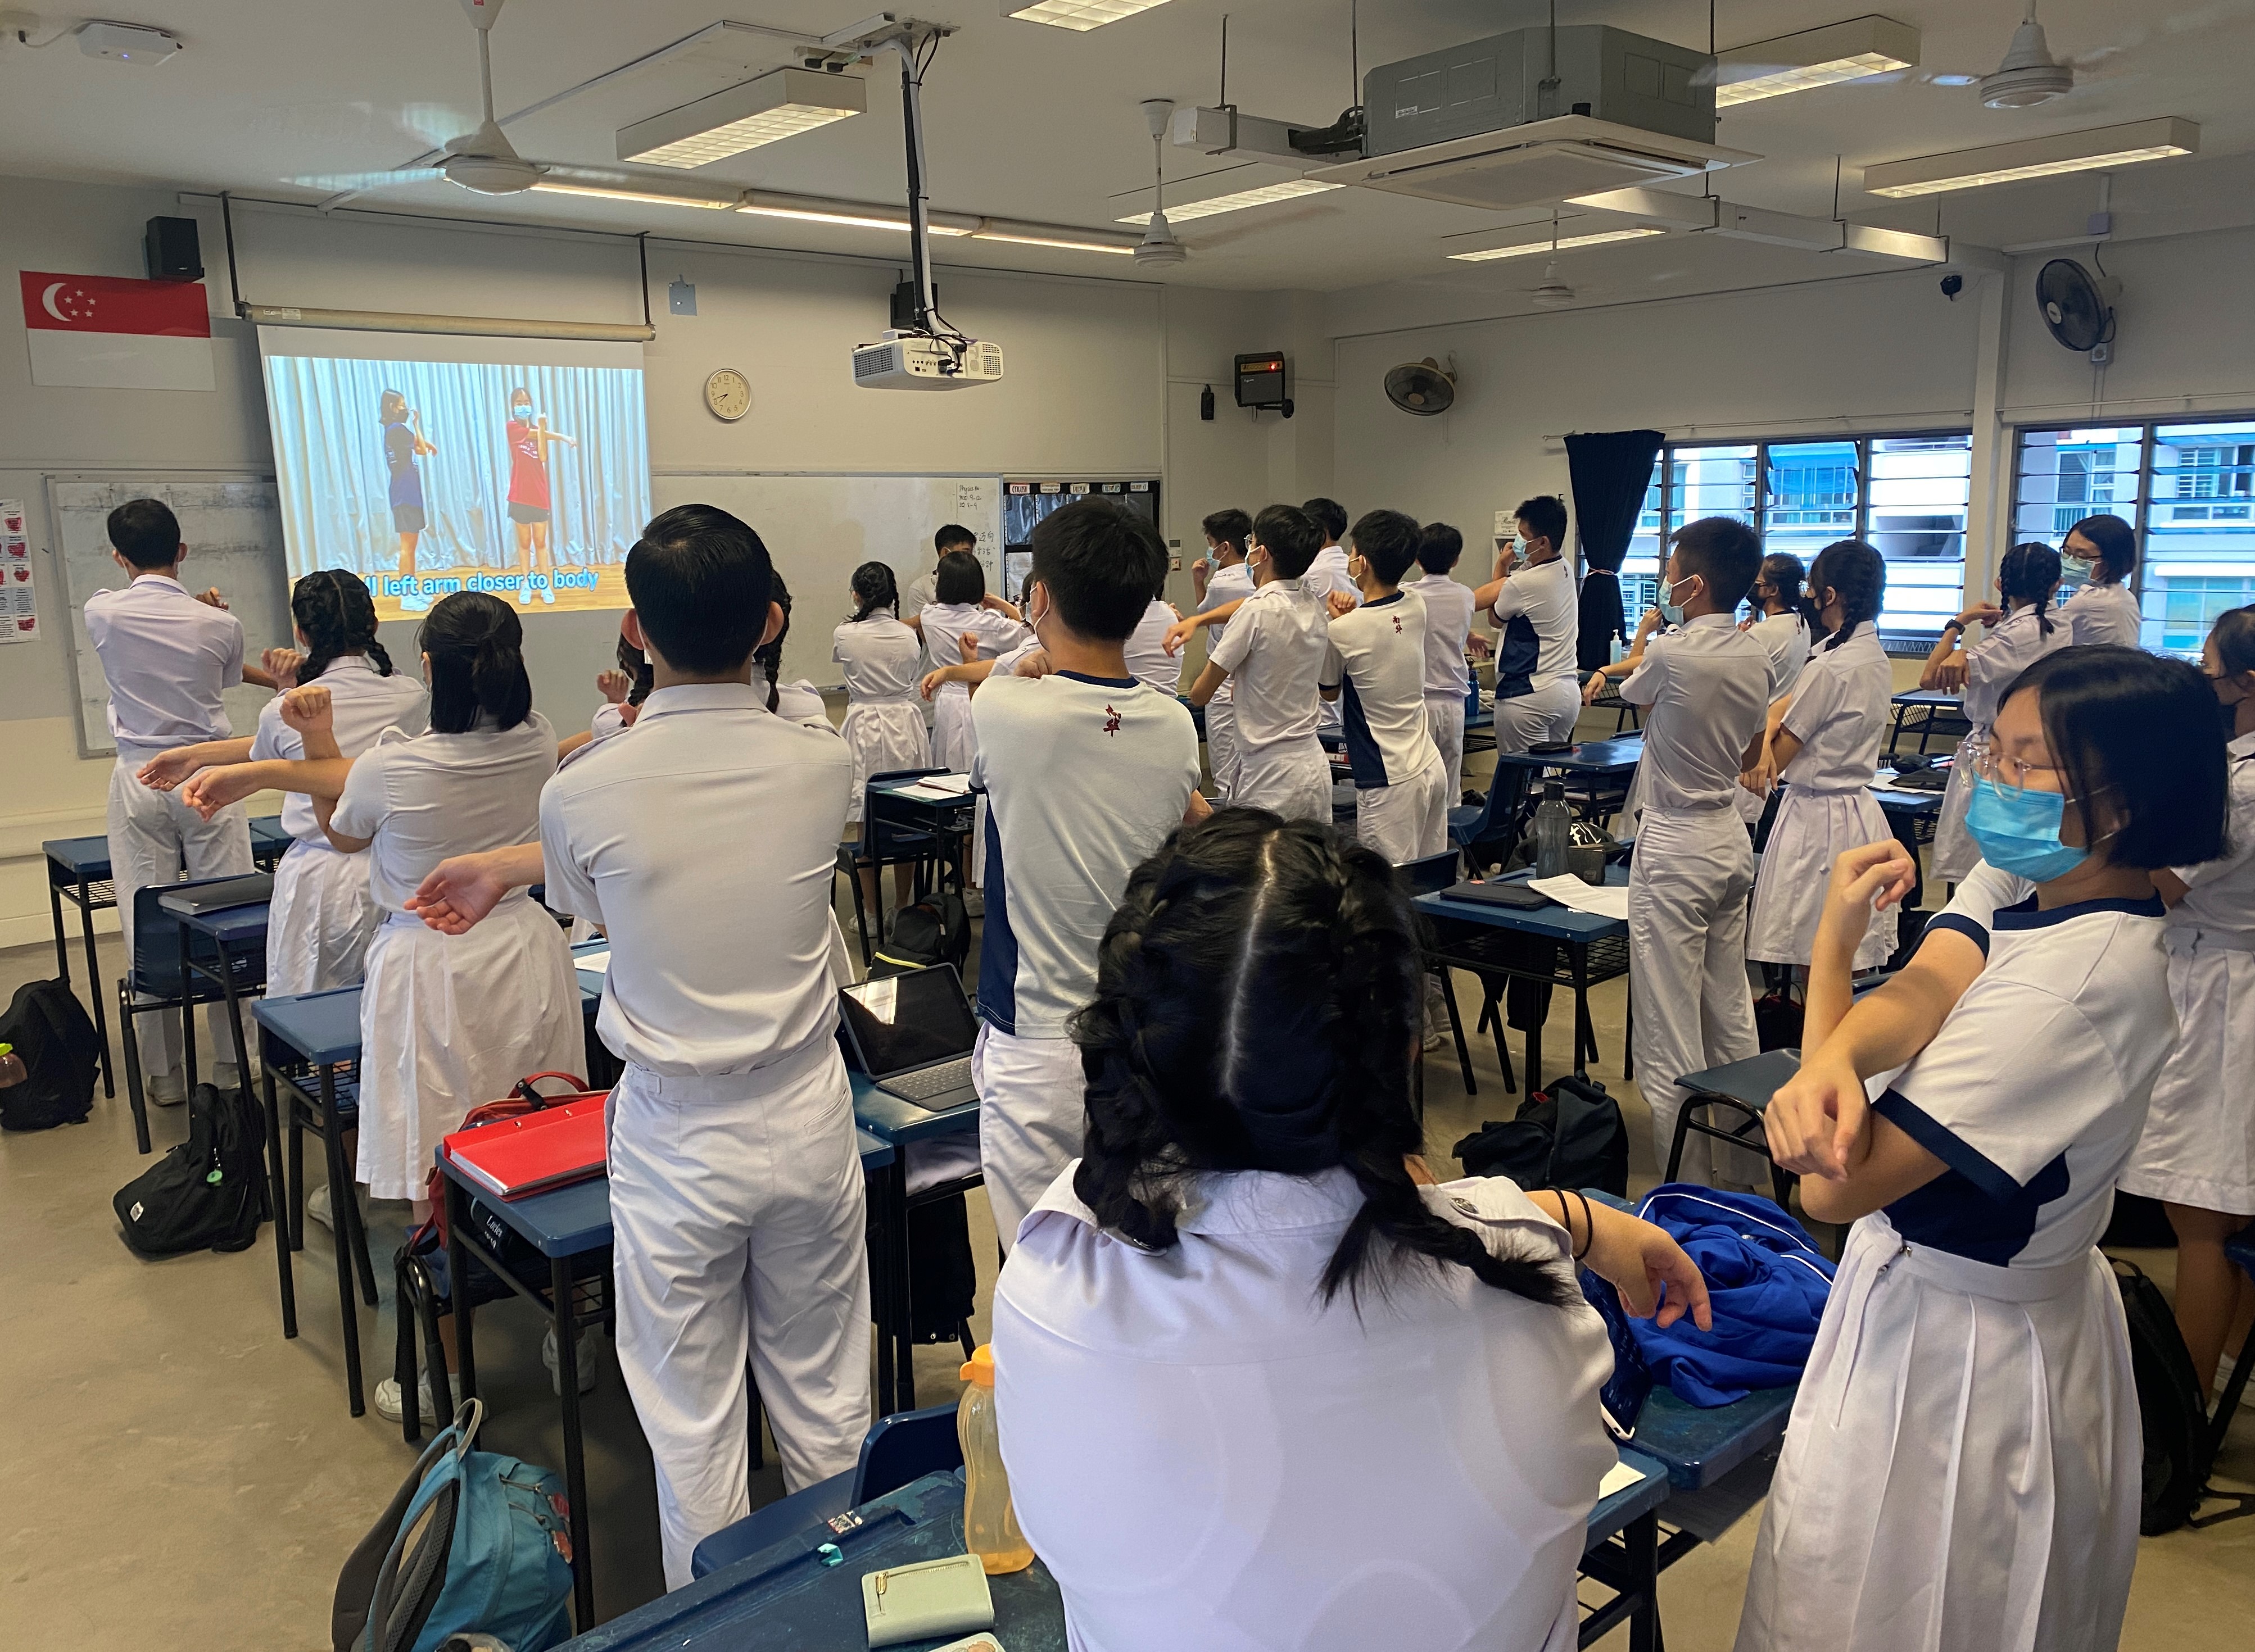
(1905, 495)
(2187, 489)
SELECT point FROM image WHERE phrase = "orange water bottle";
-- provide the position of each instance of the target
(990, 1524)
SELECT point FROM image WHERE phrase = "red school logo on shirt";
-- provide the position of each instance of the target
(1397, 622)
(1111, 721)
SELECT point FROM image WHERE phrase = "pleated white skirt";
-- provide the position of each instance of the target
(1813, 830)
(1954, 854)
(318, 924)
(883, 737)
(2199, 1144)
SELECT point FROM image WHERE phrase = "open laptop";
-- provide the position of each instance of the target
(913, 1033)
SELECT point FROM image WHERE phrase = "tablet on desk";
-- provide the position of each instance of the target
(1517, 896)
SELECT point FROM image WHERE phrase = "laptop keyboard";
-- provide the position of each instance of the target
(926, 1082)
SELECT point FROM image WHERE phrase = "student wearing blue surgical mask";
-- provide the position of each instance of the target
(1963, 1464)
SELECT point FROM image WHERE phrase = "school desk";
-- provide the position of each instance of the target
(78, 870)
(786, 1599)
(227, 948)
(269, 843)
(948, 821)
(1500, 944)
(902, 1125)
(1939, 712)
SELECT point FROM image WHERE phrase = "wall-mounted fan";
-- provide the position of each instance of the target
(2075, 307)
(1423, 387)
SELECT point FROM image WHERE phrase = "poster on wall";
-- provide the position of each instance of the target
(19, 605)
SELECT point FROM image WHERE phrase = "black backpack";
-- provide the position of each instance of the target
(1572, 1136)
(935, 930)
(2170, 1414)
(55, 1037)
(207, 1194)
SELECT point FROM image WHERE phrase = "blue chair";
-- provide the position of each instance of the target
(153, 982)
(886, 842)
(1485, 833)
(901, 1448)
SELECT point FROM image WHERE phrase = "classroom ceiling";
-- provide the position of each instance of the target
(1036, 122)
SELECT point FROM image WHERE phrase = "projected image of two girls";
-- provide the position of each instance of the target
(531, 509)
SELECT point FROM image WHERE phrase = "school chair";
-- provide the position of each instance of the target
(1428, 876)
(902, 1447)
(1740, 1088)
(887, 843)
(151, 985)
(1485, 833)
(2240, 1251)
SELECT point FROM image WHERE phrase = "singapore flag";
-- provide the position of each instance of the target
(107, 333)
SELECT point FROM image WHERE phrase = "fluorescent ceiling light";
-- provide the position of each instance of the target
(605, 192)
(775, 105)
(814, 209)
(1080, 16)
(2035, 158)
(1182, 213)
(1020, 238)
(1801, 62)
(1597, 238)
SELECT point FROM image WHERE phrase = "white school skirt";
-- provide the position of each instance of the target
(448, 1022)
(1962, 1470)
(951, 742)
(1954, 854)
(884, 736)
(1812, 831)
(319, 924)
(2199, 1144)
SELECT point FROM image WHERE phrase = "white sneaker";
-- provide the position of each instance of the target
(389, 1408)
(587, 1361)
(415, 605)
(548, 591)
(227, 1075)
(318, 1208)
(524, 593)
(166, 1089)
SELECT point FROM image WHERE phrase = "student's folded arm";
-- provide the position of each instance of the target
(1784, 746)
(1888, 1166)
(167, 769)
(1208, 684)
(464, 888)
(260, 677)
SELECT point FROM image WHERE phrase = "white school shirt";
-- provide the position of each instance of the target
(2104, 613)
(923, 592)
(1541, 613)
(1786, 636)
(797, 701)
(1448, 622)
(2011, 647)
(1206, 1454)
(1839, 714)
(1705, 690)
(1375, 657)
(2220, 894)
(945, 624)
(425, 799)
(166, 658)
(1232, 584)
(720, 960)
(1084, 777)
(362, 706)
(2034, 1092)
(883, 661)
(1149, 663)
(1273, 648)
(1328, 573)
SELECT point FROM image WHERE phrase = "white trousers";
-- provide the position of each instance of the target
(1294, 781)
(738, 1217)
(1406, 822)
(1222, 757)
(1543, 716)
(1444, 719)
(317, 929)
(1031, 1119)
(153, 836)
(1686, 972)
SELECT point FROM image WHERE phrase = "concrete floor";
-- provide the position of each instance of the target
(181, 1469)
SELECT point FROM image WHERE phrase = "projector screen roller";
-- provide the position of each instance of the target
(428, 465)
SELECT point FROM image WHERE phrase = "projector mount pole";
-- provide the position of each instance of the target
(910, 39)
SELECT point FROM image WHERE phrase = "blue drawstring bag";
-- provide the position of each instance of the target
(1766, 1283)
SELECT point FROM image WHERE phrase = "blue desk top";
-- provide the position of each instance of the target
(323, 1027)
(1553, 923)
(1626, 1504)
(1928, 696)
(1700, 1445)
(86, 858)
(1615, 756)
(889, 1118)
(230, 926)
(269, 827)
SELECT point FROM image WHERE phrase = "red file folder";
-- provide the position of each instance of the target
(533, 1153)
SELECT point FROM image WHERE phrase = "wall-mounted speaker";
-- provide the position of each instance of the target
(173, 252)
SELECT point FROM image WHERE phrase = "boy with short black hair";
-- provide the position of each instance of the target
(1221, 576)
(1448, 630)
(922, 589)
(167, 656)
(1328, 575)
(1085, 771)
(1375, 667)
(1537, 693)
(1705, 690)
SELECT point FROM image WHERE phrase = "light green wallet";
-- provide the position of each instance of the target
(926, 1600)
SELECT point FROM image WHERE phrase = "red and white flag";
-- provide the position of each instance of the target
(107, 333)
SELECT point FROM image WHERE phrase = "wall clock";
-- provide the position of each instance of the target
(728, 394)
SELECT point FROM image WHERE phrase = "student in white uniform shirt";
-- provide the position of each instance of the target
(1327, 574)
(799, 701)
(1259, 1387)
(1085, 771)
(1270, 656)
(1823, 743)
(2197, 1153)
(963, 606)
(1148, 662)
(1779, 623)
(2105, 610)
(1374, 666)
(167, 656)
(884, 726)
(1219, 577)
(1703, 689)
(1532, 597)
(1448, 630)
(318, 925)
(1962, 1470)
(2016, 636)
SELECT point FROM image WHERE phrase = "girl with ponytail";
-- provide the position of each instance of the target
(1248, 1288)
(2017, 635)
(1823, 743)
(884, 725)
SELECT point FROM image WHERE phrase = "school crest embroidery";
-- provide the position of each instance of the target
(1111, 721)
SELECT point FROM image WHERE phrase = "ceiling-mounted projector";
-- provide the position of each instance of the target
(916, 362)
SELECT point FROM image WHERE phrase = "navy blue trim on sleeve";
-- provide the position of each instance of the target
(1964, 926)
(1380, 602)
(1945, 1145)
(2027, 915)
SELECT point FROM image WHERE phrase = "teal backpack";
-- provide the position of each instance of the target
(473, 1544)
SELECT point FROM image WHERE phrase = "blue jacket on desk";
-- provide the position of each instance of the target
(1767, 1280)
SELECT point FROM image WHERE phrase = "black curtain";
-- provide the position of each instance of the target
(1611, 472)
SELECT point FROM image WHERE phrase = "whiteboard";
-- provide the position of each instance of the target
(818, 529)
(233, 529)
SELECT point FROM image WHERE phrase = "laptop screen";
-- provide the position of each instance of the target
(908, 1021)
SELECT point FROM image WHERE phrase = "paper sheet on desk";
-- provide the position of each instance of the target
(1619, 1477)
(594, 962)
(1608, 900)
(940, 789)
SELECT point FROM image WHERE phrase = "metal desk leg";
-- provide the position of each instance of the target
(1580, 956)
(880, 1246)
(93, 980)
(1457, 1031)
(575, 1466)
(340, 1210)
(281, 1225)
(1641, 1538)
(62, 942)
(187, 1017)
(904, 1292)
(1534, 1049)
(234, 1016)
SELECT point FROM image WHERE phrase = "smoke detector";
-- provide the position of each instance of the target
(2028, 75)
(126, 42)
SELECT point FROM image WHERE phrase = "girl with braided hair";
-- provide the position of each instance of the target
(800, 700)
(1262, 1383)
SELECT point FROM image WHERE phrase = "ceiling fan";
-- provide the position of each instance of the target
(1159, 245)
